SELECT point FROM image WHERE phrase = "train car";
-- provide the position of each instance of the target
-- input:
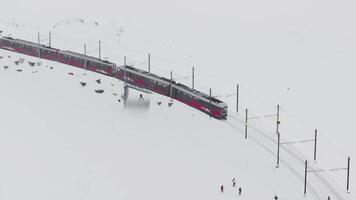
(20, 46)
(201, 101)
(28, 48)
(143, 79)
(86, 62)
(180, 92)
(48, 53)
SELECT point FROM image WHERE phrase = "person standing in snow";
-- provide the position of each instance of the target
(233, 182)
(240, 191)
(222, 188)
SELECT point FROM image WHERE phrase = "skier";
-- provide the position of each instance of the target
(141, 97)
(240, 191)
(275, 197)
(222, 188)
(233, 182)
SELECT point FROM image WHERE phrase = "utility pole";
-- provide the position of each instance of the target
(170, 87)
(237, 98)
(39, 42)
(193, 78)
(125, 69)
(50, 39)
(278, 122)
(149, 62)
(210, 102)
(305, 177)
(279, 142)
(99, 50)
(348, 174)
(315, 138)
(246, 123)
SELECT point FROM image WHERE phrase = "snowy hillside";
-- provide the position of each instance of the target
(69, 141)
(61, 138)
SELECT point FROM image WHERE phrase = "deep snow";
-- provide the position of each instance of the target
(297, 54)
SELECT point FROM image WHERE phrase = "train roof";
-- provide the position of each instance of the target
(86, 57)
(177, 85)
(28, 43)
(66, 52)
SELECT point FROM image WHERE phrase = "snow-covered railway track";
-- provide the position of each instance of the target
(292, 169)
(297, 156)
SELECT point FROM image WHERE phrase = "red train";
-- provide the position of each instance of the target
(129, 74)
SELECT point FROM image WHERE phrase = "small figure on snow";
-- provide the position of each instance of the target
(222, 188)
(275, 197)
(240, 191)
(141, 97)
(233, 182)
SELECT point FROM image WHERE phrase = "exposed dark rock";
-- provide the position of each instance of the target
(98, 81)
(19, 70)
(159, 103)
(83, 83)
(99, 91)
(70, 73)
(31, 63)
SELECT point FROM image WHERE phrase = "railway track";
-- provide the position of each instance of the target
(293, 153)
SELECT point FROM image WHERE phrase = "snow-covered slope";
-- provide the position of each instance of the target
(296, 54)
(61, 140)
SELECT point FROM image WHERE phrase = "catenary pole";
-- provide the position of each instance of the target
(125, 69)
(39, 42)
(170, 86)
(315, 139)
(193, 78)
(246, 112)
(237, 98)
(149, 62)
(50, 39)
(305, 177)
(279, 142)
(348, 174)
(99, 50)
(210, 102)
(278, 122)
